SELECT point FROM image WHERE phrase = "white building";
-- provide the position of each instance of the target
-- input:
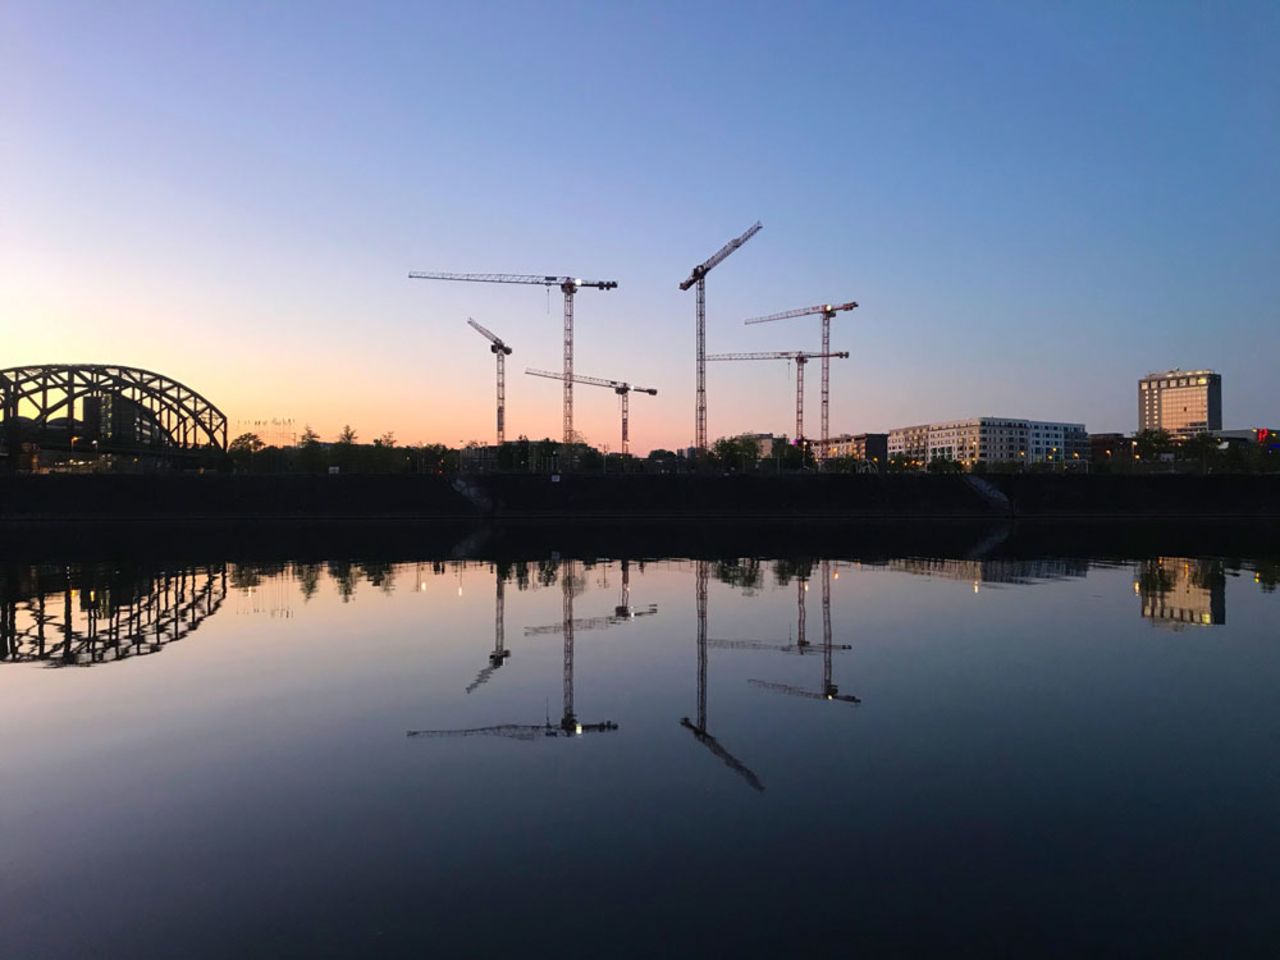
(910, 442)
(992, 440)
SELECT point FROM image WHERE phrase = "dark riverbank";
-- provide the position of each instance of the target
(867, 518)
(356, 498)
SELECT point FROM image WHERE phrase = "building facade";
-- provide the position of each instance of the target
(1182, 402)
(1006, 440)
(912, 443)
(872, 447)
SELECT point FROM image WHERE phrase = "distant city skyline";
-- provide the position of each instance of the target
(1034, 206)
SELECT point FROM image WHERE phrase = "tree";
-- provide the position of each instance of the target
(312, 457)
(243, 448)
(348, 436)
(1152, 443)
(245, 445)
(944, 465)
(900, 463)
(1202, 447)
(436, 458)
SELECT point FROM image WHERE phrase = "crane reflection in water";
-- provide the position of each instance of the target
(569, 725)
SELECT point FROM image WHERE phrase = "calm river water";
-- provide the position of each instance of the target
(659, 758)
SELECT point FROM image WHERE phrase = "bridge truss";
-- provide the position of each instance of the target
(108, 409)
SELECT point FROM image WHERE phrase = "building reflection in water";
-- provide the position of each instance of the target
(86, 613)
(993, 571)
(90, 614)
(1178, 592)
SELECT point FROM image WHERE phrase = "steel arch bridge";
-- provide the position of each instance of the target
(107, 408)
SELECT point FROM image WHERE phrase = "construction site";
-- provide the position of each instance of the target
(814, 450)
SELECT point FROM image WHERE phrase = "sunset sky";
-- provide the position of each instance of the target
(1034, 203)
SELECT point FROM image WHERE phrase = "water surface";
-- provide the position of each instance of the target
(594, 757)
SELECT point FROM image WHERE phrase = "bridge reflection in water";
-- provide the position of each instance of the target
(82, 615)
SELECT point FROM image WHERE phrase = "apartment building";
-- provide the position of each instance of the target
(873, 447)
(991, 440)
(1007, 440)
(911, 443)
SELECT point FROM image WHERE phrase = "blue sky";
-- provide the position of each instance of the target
(1034, 204)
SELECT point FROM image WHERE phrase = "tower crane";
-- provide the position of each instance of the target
(568, 286)
(699, 727)
(829, 690)
(827, 311)
(623, 390)
(801, 358)
(698, 277)
(501, 351)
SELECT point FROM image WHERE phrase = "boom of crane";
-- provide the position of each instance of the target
(519, 731)
(799, 356)
(830, 693)
(592, 623)
(567, 284)
(617, 386)
(498, 345)
(801, 647)
(723, 755)
(820, 310)
(702, 269)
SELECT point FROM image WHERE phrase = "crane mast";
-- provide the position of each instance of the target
(698, 277)
(621, 388)
(827, 311)
(800, 357)
(569, 286)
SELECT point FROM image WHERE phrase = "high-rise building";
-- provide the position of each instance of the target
(1182, 402)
